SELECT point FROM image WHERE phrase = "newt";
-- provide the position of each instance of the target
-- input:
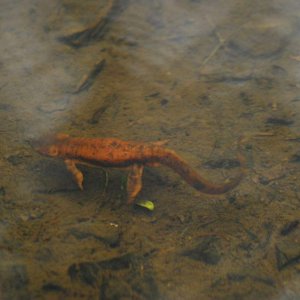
(116, 153)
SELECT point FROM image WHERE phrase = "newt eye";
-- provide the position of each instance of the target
(53, 151)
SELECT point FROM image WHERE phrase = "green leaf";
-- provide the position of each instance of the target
(146, 204)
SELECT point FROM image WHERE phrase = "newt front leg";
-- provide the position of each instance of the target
(78, 176)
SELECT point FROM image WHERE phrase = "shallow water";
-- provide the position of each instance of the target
(199, 74)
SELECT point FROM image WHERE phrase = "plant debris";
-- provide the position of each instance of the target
(279, 121)
(289, 227)
(88, 79)
(109, 101)
(284, 261)
(96, 31)
(222, 163)
(206, 251)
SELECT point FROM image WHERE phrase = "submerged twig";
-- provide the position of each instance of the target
(97, 30)
(88, 79)
(263, 134)
(108, 102)
(289, 227)
(293, 139)
(279, 121)
(221, 42)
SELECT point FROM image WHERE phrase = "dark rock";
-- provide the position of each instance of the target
(289, 227)
(111, 239)
(164, 102)
(44, 254)
(246, 99)
(206, 251)
(14, 282)
(15, 159)
(279, 121)
(87, 272)
(222, 163)
(152, 95)
(236, 277)
(265, 280)
(295, 158)
(283, 260)
(279, 71)
(5, 107)
(204, 100)
(2, 191)
(52, 287)
(264, 180)
(119, 277)
(19, 278)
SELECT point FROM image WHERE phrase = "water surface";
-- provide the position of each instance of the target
(199, 74)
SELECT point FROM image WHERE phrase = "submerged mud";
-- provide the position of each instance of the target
(199, 74)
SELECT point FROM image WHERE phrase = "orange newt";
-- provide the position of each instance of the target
(115, 153)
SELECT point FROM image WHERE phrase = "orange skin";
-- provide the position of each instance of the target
(111, 152)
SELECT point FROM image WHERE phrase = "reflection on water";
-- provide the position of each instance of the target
(199, 74)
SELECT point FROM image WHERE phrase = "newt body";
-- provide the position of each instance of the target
(110, 152)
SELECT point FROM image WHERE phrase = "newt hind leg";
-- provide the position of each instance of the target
(134, 182)
(78, 176)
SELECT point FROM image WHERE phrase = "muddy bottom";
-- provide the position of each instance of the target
(201, 75)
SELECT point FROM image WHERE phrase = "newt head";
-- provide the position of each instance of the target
(48, 145)
(51, 150)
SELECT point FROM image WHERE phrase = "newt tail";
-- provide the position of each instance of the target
(193, 178)
(115, 153)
